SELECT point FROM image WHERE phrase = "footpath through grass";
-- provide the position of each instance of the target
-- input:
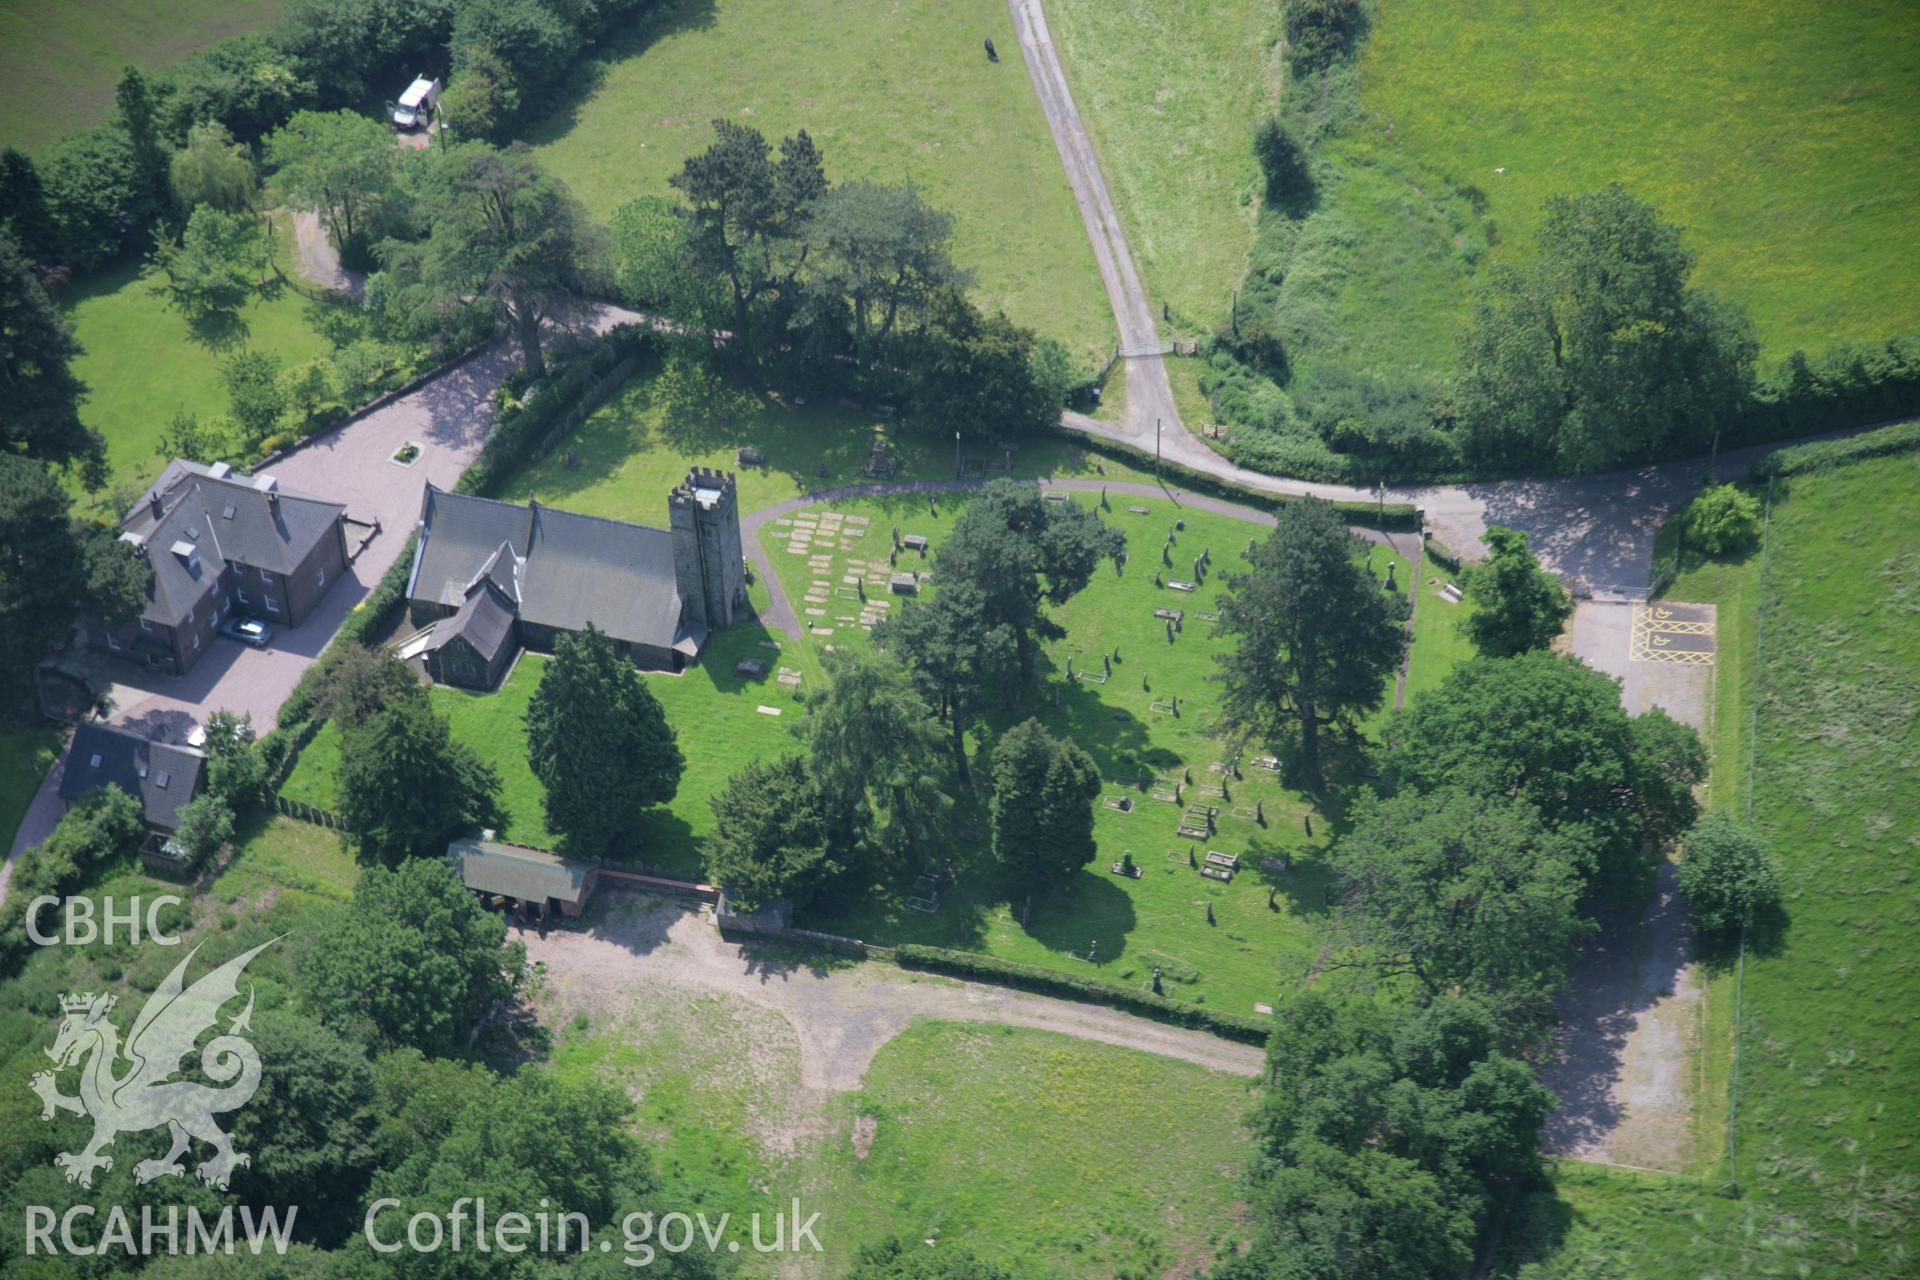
(896, 93)
(1784, 137)
(1121, 712)
(60, 60)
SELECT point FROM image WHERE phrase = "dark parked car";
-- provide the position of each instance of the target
(248, 631)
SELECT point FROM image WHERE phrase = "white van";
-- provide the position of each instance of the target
(415, 108)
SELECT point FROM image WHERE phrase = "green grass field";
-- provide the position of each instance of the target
(1170, 91)
(1157, 919)
(61, 61)
(1784, 137)
(900, 93)
(1054, 1156)
(143, 363)
(1074, 1159)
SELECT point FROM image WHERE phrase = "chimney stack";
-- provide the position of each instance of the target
(155, 507)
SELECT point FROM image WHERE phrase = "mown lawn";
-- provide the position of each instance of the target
(1055, 1156)
(60, 61)
(1170, 91)
(898, 93)
(1828, 1066)
(1125, 722)
(143, 363)
(1784, 137)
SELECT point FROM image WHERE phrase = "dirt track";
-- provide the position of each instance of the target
(842, 1015)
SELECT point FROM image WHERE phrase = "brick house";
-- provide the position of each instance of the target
(220, 545)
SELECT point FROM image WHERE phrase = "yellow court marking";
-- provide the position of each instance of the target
(1665, 634)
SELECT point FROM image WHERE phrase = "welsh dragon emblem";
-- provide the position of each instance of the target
(147, 1093)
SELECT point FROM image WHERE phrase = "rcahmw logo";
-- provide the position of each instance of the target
(137, 1086)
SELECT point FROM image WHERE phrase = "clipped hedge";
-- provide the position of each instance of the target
(1393, 516)
(1827, 454)
(522, 427)
(1049, 982)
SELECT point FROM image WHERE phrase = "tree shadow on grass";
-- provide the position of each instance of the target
(1090, 909)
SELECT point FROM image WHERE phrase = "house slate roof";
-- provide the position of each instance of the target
(137, 765)
(485, 621)
(516, 871)
(569, 570)
(270, 528)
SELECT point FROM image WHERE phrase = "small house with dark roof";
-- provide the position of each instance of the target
(492, 576)
(219, 544)
(161, 776)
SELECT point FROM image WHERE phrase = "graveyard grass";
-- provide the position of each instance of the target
(60, 60)
(1157, 919)
(1828, 1063)
(903, 94)
(629, 453)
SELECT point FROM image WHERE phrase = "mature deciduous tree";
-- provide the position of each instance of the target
(1464, 893)
(955, 655)
(39, 396)
(502, 230)
(1517, 605)
(1728, 873)
(212, 169)
(1315, 639)
(254, 394)
(600, 744)
(23, 207)
(770, 838)
(308, 1127)
(406, 787)
(53, 571)
(976, 374)
(1379, 1136)
(1600, 352)
(414, 961)
(206, 824)
(1551, 731)
(1042, 806)
(210, 270)
(342, 164)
